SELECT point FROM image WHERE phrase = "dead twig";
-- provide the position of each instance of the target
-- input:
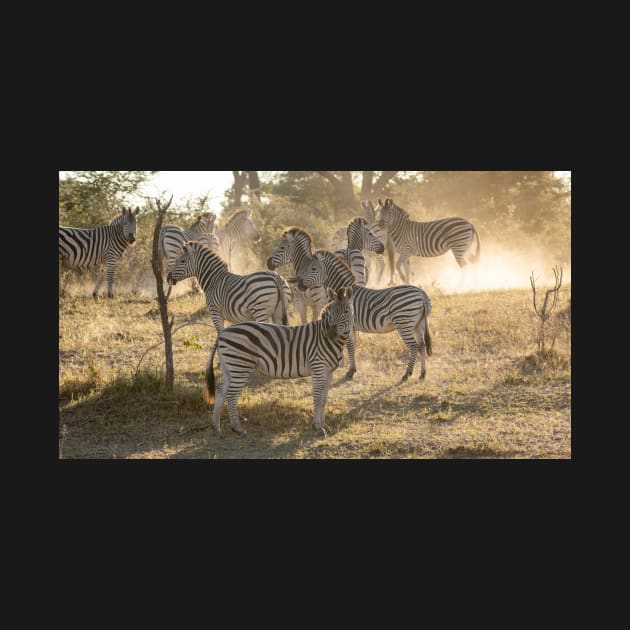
(544, 313)
(163, 340)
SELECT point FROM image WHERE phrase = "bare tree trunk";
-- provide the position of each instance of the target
(366, 185)
(156, 263)
(382, 181)
(343, 187)
(254, 184)
(239, 185)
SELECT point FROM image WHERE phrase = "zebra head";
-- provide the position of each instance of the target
(368, 211)
(338, 316)
(294, 245)
(184, 266)
(360, 236)
(316, 274)
(129, 224)
(206, 222)
(387, 213)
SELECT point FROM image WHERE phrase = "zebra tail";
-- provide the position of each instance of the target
(208, 390)
(285, 319)
(427, 333)
(475, 258)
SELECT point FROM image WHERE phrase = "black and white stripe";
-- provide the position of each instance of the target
(314, 349)
(173, 237)
(295, 249)
(427, 238)
(101, 246)
(239, 229)
(404, 308)
(255, 296)
(359, 238)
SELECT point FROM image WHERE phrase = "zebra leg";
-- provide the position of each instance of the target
(233, 390)
(409, 340)
(217, 319)
(99, 280)
(404, 275)
(419, 333)
(350, 344)
(380, 263)
(321, 384)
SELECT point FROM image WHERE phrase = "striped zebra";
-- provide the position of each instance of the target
(427, 238)
(360, 238)
(255, 296)
(295, 249)
(173, 237)
(370, 214)
(314, 349)
(404, 308)
(102, 246)
(239, 228)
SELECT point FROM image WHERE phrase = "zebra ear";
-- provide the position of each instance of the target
(344, 292)
(371, 206)
(331, 294)
(137, 212)
(289, 236)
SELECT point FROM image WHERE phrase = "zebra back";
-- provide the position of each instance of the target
(429, 238)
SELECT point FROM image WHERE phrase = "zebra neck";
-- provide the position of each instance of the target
(300, 260)
(398, 229)
(207, 265)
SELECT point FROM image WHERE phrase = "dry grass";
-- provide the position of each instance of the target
(487, 393)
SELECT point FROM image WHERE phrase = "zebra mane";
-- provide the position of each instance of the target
(400, 211)
(335, 259)
(299, 230)
(360, 219)
(200, 217)
(202, 247)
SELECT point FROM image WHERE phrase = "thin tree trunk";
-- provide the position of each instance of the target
(254, 184)
(156, 264)
(343, 186)
(239, 186)
(366, 185)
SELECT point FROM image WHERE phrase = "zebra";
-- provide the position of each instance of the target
(172, 239)
(403, 308)
(295, 248)
(238, 228)
(314, 349)
(370, 214)
(427, 238)
(255, 296)
(359, 237)
(102, 246)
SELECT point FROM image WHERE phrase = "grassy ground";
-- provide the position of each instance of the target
(488, 392)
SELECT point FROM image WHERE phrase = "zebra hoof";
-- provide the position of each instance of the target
(242, 433)
(423, 374)
(351, 372)
(320, 431)
(404, 378)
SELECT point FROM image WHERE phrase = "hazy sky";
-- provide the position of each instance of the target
(182, 184)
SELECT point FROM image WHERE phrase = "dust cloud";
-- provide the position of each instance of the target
(499, 267)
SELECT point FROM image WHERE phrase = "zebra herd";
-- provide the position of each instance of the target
(332, 283)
